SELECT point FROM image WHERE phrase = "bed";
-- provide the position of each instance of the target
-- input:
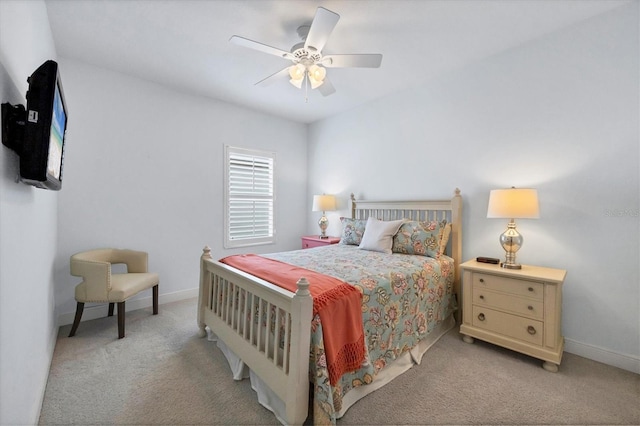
(275, 336)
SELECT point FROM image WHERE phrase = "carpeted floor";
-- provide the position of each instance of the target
(162, 373)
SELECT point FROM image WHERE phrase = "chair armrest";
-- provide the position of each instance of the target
(96, 277)
(136, 261)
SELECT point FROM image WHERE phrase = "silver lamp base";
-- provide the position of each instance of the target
(511, 265)
(511, 242)
(323, 223)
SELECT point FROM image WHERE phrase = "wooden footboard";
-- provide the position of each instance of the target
(267, 326)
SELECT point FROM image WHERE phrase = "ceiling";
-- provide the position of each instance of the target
(184, 44)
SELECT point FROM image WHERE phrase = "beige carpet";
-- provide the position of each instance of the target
(162, 373)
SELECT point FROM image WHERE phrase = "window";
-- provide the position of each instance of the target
(249, 197)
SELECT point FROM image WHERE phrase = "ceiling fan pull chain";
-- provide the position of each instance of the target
(306, 89)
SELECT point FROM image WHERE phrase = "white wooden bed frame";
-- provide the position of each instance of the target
(286, 371)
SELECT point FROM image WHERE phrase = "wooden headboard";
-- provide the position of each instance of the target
(451, 210)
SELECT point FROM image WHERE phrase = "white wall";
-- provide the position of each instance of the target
(559, 114)
(28, 221)
(144, 170)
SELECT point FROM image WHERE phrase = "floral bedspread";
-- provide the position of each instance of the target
(404, 298)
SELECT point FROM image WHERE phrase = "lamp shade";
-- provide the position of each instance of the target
(513, 203)
(323, 203)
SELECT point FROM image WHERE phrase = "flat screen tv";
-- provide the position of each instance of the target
(42, 153)
(38, 133)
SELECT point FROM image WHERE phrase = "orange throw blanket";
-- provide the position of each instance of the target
(338, 304)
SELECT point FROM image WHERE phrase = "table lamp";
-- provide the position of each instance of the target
(513, 203)
(323, 203)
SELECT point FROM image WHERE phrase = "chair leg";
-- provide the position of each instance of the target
(76, 320)
(111, 309)
(155, 299)
(120, 320)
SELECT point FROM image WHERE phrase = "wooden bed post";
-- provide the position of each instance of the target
(298, 379)
(353, 206)
(456, 248)
(204, 285)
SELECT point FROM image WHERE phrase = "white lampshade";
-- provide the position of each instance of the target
(324, 203)
(513, 203)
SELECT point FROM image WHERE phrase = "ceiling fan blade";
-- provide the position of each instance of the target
(323, 23)
(353, 61)
(241, 41)
(326, 88)
(273, 78)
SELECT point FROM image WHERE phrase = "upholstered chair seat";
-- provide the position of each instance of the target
(100, 285)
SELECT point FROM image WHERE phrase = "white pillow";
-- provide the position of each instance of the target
(378, 234)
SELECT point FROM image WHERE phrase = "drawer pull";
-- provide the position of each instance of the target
(481, 280)
(482, 297)
(481, 317)
(530, 307)
(531, 330)
(530, 288)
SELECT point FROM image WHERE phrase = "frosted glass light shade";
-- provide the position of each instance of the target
(315, 83)
(316, 76)
(296, 72)
(317, 73)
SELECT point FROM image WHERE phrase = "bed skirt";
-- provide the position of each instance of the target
(273, 403)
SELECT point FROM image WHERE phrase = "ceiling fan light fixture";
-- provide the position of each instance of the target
(316, 76)
(317, 73)
(296, 72)
(315, 83)
(309, 64)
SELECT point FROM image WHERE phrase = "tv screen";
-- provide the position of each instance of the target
(56, 136)
(42, 153)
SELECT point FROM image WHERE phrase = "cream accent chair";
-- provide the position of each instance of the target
(99, 285)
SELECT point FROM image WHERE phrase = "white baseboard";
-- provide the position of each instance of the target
(51, 345)
(101, 311)
(605, 356)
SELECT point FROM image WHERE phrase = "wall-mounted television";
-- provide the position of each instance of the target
(38, 133)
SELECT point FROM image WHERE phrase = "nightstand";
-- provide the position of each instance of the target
(519, 309)
(316, 241)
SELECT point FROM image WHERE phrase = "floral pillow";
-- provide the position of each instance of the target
(426, 238)
(352, 231)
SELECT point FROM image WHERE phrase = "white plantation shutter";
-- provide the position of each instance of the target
(249, 201)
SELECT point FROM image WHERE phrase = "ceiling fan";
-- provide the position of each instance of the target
(309, 64)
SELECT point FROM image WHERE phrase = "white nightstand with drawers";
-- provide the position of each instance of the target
(519, 309)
